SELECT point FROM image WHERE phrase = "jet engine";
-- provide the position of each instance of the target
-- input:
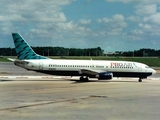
(104, 76)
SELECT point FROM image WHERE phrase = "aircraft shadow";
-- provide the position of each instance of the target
(74, 81)
(99, 81)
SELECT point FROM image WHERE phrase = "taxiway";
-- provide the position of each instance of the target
(66, 99)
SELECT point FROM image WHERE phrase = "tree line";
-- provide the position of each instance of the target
(145, 52)
(57, 51)
(61, 51)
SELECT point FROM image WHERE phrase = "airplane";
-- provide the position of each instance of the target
(100, 69)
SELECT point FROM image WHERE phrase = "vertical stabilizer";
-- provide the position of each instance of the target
(23, 50)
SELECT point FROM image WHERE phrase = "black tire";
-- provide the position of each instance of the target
(81, 79)
(140, 80)
(84, 79)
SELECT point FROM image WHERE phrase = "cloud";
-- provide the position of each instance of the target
(146, 18)
(137, 32)
(40, 17)
(84, 21)
(154, 19)
(36, 19)
(115, 31)
(33, 11)
(113, 25)
(151, 24)
(43, 22)
(134, 18)
(67, 26)
(145, 10)
(115, 18)
(145, 26)
(74, 28)
(135, 1)
(124, 1)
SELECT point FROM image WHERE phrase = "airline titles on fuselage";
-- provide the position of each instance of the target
(121, 65)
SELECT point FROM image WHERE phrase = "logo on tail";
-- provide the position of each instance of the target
(23, 50)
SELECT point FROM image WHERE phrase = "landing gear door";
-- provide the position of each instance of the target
(40, 66)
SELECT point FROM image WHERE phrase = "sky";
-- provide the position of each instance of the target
(113, 25)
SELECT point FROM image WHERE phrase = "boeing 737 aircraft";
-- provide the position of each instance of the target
(102, 70)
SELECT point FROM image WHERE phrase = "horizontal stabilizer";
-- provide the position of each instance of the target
(11, 59)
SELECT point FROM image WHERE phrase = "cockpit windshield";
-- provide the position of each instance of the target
(146, 66)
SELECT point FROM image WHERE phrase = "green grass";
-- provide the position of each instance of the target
(151, 61)
(4, 60)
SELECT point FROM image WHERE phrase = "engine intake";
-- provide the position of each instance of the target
(104, 76)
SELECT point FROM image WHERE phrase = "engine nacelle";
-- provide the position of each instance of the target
(105, 76)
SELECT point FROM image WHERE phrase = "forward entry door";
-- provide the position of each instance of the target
(140, 69)
(40, 66)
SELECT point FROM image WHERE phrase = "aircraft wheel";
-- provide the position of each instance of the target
(83, 79)
(140, 80)
(86, 79)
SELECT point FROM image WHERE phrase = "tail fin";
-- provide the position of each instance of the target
(23, 50)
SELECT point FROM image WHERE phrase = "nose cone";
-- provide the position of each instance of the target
(153, 72)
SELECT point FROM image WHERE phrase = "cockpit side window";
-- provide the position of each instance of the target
(146, 66)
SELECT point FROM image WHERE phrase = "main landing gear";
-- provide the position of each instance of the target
(140, 80)
(84, 79)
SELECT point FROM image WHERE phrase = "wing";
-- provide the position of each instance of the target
(100, 74)
(90, 72)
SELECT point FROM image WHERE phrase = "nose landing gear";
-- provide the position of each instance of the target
(140, 80)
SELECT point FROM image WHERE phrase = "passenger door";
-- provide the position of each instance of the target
(140, 69)
(40, 66)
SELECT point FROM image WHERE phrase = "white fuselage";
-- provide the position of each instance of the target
(76, 67)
